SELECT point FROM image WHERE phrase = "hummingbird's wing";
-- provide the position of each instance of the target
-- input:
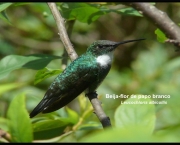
(71, 94)
(67, 86)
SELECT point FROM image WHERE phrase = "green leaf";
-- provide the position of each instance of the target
(134, 134)
(46, 129)
(45, 73)
(133, 113)
(169, 134)
(90, 126)
(34, 61)
(4, 6)
(4, 123)
(161, 37)
(72, 115)
(21, 3)
(127, 11)
(9, 86)
(4, 17)
(83, 12)
(50, 123)
(19, 122)
(38, 61)
(172, 65)
(87, 13)
(151, 68)
(7, 48)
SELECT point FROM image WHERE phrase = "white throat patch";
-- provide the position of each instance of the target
(105, 59)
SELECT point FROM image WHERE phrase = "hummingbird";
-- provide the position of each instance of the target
(84, 74)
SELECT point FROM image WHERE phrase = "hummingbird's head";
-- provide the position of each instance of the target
(101, 47)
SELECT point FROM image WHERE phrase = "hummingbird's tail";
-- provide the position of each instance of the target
(41, 106)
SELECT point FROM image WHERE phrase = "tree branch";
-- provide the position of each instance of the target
(5, 135)
(160, 19)
(105, 121)
(65, 55)
(62, 31)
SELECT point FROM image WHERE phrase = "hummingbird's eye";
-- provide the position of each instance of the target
(100, 46)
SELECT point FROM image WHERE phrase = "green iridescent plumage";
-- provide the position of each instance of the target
(84, 73)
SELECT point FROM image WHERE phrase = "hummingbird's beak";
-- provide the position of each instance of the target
(127, 41)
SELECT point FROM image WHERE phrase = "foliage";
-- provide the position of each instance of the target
(87, 13)
(19, 127)
(160, 35)
(45, 73)
(133, 124)
(13, 62)
(30, 59)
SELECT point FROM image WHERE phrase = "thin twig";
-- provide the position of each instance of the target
(5, 135)
(72, 54)
(62, 31)
(176, 42)
(160, 19)
(81, 119)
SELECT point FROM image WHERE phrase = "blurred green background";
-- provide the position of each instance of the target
(145, 67)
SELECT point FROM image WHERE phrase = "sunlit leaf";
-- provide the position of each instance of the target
(45, 73)
(161, 37)
(83, 104)
(134, 113)
(173, 65)
(9, 86)
(19, 122)
(133, 134)
(72, 115)
(170, 134)
(148, 63)
(4, 123)
(83, 12)
(34, 61)
(4, 6)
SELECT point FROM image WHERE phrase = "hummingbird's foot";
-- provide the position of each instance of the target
(91, 94)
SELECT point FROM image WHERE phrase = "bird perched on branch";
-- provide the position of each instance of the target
(84, 74)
